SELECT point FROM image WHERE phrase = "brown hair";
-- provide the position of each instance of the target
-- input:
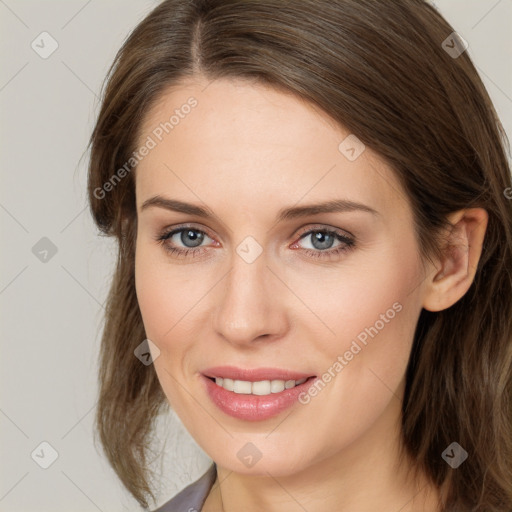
(379, 69)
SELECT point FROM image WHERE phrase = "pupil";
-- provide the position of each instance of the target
(196, 237)
(324, 240)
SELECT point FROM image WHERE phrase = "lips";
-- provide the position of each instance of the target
(253, 407)
(254, 375)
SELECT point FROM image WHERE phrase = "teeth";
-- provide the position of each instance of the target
(277, 386)
(262, 387)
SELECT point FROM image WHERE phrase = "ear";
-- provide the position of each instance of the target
(461, 253)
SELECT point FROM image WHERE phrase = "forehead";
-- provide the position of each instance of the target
(242, 142)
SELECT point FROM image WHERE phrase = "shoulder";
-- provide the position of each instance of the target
(193, 496)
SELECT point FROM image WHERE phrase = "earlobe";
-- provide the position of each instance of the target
(461, 253)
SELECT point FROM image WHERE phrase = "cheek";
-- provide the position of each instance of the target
(365, 363)
(376, 295)
(373, 312)
(150, 297)
(161, 304)
(159, 288)
(158, 294)
(169, 299)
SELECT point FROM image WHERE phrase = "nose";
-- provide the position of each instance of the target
(252, 304)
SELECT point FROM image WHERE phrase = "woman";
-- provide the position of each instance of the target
(311, 200)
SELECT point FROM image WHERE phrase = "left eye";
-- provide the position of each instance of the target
(321, 240)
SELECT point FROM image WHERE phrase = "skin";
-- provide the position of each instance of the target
(246, 151)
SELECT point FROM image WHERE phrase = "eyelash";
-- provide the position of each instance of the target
(347, 243)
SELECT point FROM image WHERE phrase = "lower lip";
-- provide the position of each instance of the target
(253, 407)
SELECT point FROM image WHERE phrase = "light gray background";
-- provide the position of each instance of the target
(51, 311)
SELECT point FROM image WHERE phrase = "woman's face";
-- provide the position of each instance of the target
(328, 294)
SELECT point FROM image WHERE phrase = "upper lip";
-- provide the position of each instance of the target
(254, 374)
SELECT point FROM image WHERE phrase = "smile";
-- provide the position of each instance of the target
(261, 388)
(256, 394)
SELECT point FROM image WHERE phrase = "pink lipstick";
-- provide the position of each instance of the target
(254, 394)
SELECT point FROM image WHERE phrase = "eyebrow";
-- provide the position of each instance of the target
(333, 206)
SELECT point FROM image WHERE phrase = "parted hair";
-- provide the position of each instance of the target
(381, 69)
